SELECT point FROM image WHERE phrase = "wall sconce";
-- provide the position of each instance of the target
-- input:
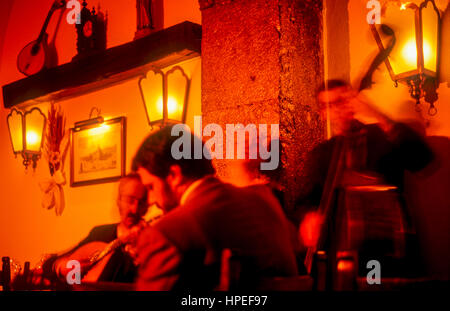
(165, 96)
(26, 133)
(414, 59)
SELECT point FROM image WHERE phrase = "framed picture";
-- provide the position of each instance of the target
(98, 152)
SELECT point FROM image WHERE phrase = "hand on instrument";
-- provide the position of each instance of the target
(130, 236)
(62, 269)
(309, 230)
(38, 279)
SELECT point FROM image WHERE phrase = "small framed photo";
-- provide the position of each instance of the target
(98, 152)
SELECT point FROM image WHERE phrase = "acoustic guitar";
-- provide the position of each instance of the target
(98, 255)
(38, 54)
(94, 256)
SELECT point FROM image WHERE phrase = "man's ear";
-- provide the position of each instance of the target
(175, 176)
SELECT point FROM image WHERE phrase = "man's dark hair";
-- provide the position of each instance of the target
(331, 84)
(156, 157)
(132, 175)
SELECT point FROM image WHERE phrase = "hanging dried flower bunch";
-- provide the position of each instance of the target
(56, 145)
(56, 130)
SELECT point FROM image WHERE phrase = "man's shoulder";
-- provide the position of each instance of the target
(219, 198)
(210, 189)
(261, 191)
(105, 227)
(210, 195)
(104, 232)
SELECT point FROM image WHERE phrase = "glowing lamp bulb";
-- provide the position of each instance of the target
(32, 138)
(172, 105)
(410, 52)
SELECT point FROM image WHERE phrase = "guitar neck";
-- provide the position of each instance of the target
(112, 246)
(108, 249)
(56, 5)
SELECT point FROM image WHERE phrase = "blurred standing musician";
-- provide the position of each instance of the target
(374, 154)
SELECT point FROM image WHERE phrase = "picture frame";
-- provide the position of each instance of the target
(98, 152)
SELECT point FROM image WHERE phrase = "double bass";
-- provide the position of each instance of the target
(356, 206)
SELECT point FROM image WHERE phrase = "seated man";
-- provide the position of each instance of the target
(132, 203)
(205, 216)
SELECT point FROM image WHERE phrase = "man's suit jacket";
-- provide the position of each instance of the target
(183, 249)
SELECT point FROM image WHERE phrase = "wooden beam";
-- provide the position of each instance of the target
(106, 68)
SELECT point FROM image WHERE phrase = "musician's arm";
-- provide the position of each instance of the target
(158, 260)
(55, 266)
(405, 140)
(366, 112)
(52, 266)
(412, 151)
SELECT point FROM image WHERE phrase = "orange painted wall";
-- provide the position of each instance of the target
(26, 229)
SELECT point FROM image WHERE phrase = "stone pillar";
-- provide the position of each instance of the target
(262, 62)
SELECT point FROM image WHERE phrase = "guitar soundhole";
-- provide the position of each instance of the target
(35, 49)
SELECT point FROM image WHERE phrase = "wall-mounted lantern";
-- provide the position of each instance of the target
(26, 131)
(165, 96)
(414, 59)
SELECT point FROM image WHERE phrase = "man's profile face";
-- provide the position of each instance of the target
(159, 191)
(132, 207)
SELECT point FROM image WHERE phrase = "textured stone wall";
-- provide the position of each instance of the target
(301, 63)
(261, 63)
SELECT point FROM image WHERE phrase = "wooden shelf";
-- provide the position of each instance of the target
(106, 68)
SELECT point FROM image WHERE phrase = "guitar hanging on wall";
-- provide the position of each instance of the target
(38, 54)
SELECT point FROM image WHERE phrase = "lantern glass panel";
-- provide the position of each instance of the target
(403, 57)
(430, 24)
(34, 126)
(176, 94)
(152, 93)
(15, 125)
